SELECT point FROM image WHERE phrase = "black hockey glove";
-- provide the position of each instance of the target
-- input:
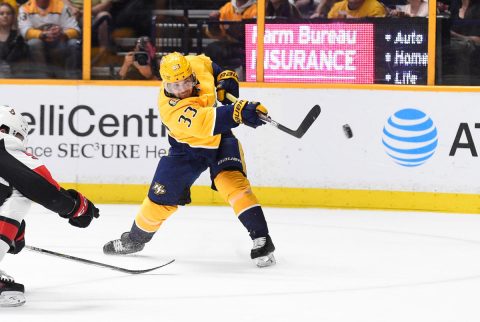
(247, 113)
(19, 241)
(227, 83)
(83, 212)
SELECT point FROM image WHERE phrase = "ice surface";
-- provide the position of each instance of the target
(332, 265)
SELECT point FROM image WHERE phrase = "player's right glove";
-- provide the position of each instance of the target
(19, 241)
(247, 113)
(83, 212)
(227, 83)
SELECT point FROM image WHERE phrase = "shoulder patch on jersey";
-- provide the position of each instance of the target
(173, 101)
(159, 189)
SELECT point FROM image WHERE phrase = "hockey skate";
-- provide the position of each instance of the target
(122, 246)
(11, 293)
(262, 252)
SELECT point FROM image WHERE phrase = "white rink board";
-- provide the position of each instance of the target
(323, 158)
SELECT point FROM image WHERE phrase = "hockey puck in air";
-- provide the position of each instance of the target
(347, 130)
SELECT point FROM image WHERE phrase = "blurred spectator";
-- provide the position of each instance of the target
(12, 3)
(357, 9)
(101, 24)
(306, 7)
(132, 16)
(414, 8)
(52, 36)
(463, 9)
(323, 8)
(141, 63)
(461, 53)
(281, 8)
(229, 51)
(76, 8)
(443, 9)
(235, 10)
(12, 47)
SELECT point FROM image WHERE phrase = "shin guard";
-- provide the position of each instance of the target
(8, 229)
(12, 211)
(236, 190)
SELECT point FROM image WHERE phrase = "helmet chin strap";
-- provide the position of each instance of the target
(195, 80)
(195, 90)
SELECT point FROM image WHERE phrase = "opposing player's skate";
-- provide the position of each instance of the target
(122, 246)
(262, 252)
(11, 293)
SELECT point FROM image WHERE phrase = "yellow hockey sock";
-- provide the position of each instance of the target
(152, 215)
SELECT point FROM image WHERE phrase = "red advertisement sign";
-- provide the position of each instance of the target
(313, 53)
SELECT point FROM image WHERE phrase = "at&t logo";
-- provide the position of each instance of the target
(410, 137)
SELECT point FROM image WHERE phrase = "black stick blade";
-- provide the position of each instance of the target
(99, 264)
(306, 123)
(309, 119)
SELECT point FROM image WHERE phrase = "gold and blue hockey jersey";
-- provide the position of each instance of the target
(194, 120)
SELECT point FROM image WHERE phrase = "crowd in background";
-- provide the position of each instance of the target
(42, 38)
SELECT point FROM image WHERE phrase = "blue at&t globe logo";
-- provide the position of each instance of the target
(410, 137)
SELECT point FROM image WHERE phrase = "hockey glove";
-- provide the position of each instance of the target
(83, 212)
(19, 241)
(227, 82)
(247, 113)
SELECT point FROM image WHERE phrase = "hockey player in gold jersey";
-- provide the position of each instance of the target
(200, 136)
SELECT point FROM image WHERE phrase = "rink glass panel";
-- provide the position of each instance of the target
(182, 26)
(457, 57)
(54, 57)
(388, 62)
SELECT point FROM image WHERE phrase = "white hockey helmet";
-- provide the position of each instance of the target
(13, 123)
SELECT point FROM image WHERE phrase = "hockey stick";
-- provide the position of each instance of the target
(298, 133)
(90, 262)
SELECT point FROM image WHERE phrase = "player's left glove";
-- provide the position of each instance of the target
(19, 241)
(83, 212)
(227, 83)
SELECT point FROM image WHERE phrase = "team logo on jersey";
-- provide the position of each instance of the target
(159, 189)
(173, 101)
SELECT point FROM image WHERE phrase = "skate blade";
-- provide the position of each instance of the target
(11, 299)
(265, 261)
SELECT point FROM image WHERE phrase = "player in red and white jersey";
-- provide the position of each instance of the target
(25, 179)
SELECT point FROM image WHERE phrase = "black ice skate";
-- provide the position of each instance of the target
(262, 251)
(11, 293)
(122, 246)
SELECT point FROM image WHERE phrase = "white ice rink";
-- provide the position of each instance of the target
(332, 265)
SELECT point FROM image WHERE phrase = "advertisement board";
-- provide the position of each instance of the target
(379, 51)
(403, 141)
(93, 134)
(338, 53)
